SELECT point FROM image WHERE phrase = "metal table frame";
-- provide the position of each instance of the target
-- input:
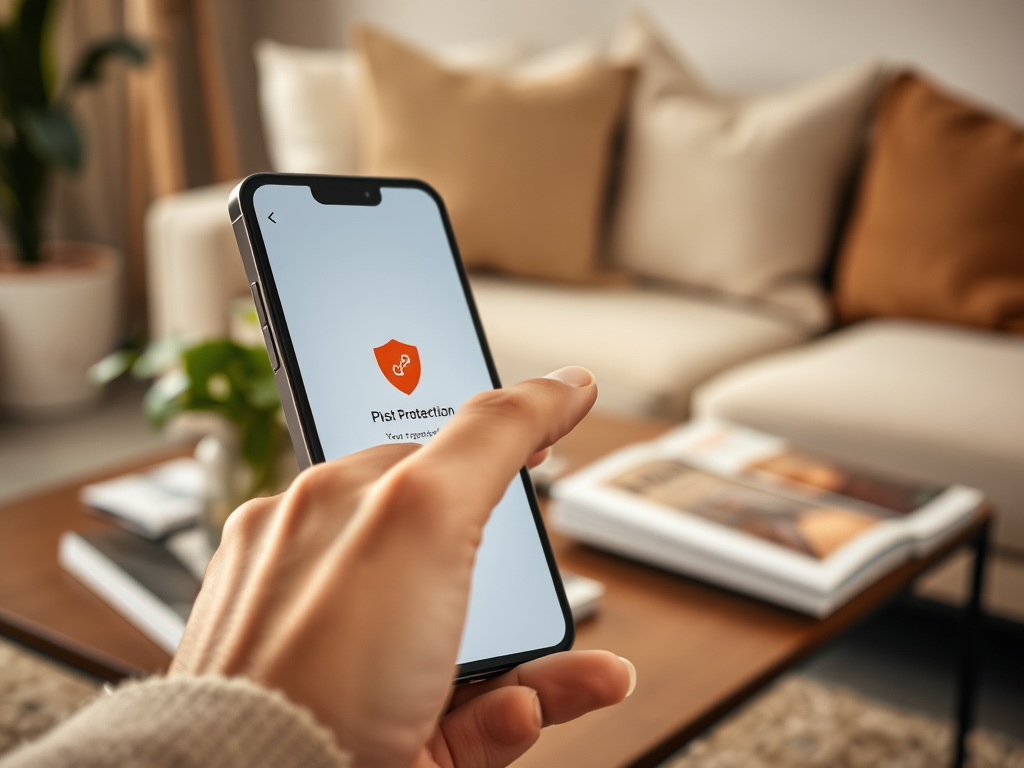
(972, 628)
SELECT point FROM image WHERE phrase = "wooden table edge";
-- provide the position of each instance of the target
(65, 650)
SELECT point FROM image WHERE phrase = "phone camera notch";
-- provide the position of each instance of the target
(341, 191)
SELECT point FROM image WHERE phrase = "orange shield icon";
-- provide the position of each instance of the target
(400, 364)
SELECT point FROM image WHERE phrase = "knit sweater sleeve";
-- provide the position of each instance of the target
(182, 722)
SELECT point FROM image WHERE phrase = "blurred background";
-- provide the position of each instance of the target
(197, 118)
(922, 391)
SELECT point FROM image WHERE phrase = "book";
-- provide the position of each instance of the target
(748, 511)
(137, 577)
(583, 593)
(167, 498)
(154, 584)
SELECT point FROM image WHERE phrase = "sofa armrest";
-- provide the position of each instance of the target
(193, 266)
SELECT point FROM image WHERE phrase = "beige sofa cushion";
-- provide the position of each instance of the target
(735, 195)
(934, 401)
(648, 348)
(522, 165)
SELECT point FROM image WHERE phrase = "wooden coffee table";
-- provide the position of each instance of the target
(699, 651)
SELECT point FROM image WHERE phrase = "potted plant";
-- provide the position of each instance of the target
(225, 391)
(59, 302)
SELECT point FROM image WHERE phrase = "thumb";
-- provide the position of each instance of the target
(492, 730)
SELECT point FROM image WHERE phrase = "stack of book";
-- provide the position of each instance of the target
(150, 567)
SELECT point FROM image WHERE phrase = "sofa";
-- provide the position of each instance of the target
(935, 397)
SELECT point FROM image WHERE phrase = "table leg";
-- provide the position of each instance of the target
(972, 627)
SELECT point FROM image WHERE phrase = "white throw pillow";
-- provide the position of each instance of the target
(310, 98)
(308, 102)
(736, 195)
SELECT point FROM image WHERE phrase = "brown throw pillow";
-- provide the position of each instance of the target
(522, 164)
(938, 231)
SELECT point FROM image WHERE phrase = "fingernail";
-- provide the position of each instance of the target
(573, 375)
(537, 710)
(632, 674)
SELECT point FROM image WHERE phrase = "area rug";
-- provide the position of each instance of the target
(802, 723)
(798, 723)
(35, 694)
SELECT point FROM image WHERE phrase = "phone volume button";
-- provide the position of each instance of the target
(257, 299)
(268, 338)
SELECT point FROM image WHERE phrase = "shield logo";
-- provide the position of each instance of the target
(400, 364)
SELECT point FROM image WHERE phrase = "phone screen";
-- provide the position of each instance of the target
(387, 351)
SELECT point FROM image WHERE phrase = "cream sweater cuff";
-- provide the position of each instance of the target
(161, 722)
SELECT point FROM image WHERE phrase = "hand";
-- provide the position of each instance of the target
(349, 592)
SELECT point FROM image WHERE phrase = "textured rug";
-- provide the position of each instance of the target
(798, 723)
(35, 695)
(801, 723)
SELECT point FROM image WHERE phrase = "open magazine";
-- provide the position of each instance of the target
(746, 510)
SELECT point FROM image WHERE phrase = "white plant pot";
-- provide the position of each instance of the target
(56, 319)
(228, 478)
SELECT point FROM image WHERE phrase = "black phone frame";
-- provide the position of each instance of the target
(365, 190)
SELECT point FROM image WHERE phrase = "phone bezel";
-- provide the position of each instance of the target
(289, 378)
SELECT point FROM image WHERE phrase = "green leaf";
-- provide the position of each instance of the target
(215, 361)
(8, 79)
(219, 387)
(258, 361)
(90, 65)
(112, 366)
(166, 397)
(53, 136)
(258, 441)
(29, 39)
(159, 357)
(262, 394)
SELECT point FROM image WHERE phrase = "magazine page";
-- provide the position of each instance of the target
(926, 511)
(633, 500)
(815, 530)
(770, 462)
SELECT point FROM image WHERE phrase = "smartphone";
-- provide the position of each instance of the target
(371, 328)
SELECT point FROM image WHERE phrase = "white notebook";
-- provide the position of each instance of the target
(153, 503)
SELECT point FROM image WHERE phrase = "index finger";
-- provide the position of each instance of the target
(491, 437)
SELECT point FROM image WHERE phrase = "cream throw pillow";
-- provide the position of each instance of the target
(736, 195)
(310, 99)
(522, 163)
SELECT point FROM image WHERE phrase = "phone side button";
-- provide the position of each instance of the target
(257, 299)
(268, 337)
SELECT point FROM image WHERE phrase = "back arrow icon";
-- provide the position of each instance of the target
(271, 217)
